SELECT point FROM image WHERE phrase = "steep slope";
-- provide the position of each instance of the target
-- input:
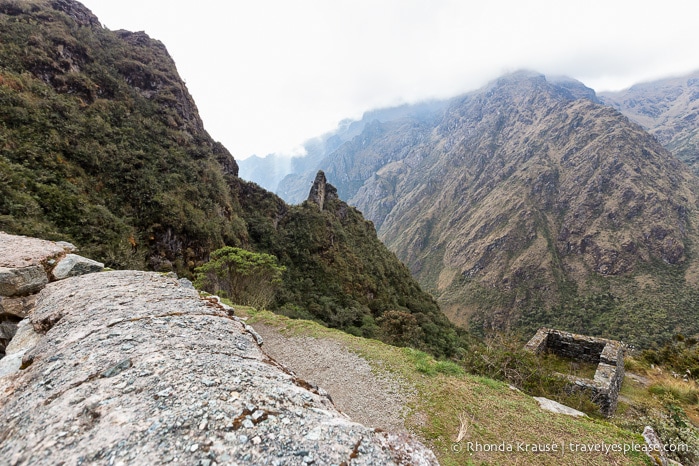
(339, 273)
(290, 177)
(101, 145)
(528, 205)
(668, 109)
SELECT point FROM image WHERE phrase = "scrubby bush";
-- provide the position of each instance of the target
(244, 277)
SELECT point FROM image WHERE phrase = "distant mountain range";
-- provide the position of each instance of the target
(529, 202)
(668, 109)
(291, 177)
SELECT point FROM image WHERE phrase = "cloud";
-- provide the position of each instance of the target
(269, 74)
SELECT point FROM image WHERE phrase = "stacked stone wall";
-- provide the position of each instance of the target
(607, 354)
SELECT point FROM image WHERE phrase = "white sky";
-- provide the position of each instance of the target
(269, 74)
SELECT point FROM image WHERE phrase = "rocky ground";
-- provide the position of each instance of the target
(134, 367)
(367, 395)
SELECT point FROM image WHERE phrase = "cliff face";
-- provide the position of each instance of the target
(531, 204)
(103, 145)
(135, 366)
(321, 191)
(668, 109)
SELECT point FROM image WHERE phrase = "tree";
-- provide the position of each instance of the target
(245, 277)
(400, 328)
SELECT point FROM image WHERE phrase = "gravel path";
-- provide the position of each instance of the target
(373, 398)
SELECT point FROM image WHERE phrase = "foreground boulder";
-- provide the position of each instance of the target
(133, 368)
(26, 266)
(73, 265)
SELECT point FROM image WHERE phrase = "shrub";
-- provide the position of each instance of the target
(245, 277)
(400, 328)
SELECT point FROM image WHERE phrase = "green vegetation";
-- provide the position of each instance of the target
(569, 366)
(242, 276)
(338, 273)
(681, 355)
(655, 395)
(101, 145)
(425, 364)
(645, 316)
(451, 407)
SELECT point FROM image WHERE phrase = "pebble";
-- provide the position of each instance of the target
(194, 447)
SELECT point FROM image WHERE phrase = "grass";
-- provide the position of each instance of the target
(680, 391)
(652, 396)
(569, 366)
(468, 419)
(659, 385)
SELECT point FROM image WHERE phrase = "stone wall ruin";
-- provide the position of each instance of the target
(607, 354)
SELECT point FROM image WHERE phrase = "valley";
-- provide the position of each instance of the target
(530, 203)
(415, 251)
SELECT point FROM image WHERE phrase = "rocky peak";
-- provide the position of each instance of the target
(321, 191)
(577, 89)
(77, 11)
(520, 90)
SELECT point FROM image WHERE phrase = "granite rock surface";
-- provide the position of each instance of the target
(131, 367)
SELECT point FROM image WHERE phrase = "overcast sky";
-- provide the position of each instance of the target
(269, 74)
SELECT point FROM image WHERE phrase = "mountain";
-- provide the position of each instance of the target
(101, 145)
(291, 177)
(668, 109)
(531, 204)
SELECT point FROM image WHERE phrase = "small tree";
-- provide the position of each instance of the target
(245, 277)
(400, 328)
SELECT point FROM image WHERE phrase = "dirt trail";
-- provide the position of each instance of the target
(374, 398)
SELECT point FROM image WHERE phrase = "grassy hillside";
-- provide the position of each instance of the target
(486, 411)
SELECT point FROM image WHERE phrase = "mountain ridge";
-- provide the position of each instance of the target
(291, 177)
(527, 202)
(668, 109)
(101, 145)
